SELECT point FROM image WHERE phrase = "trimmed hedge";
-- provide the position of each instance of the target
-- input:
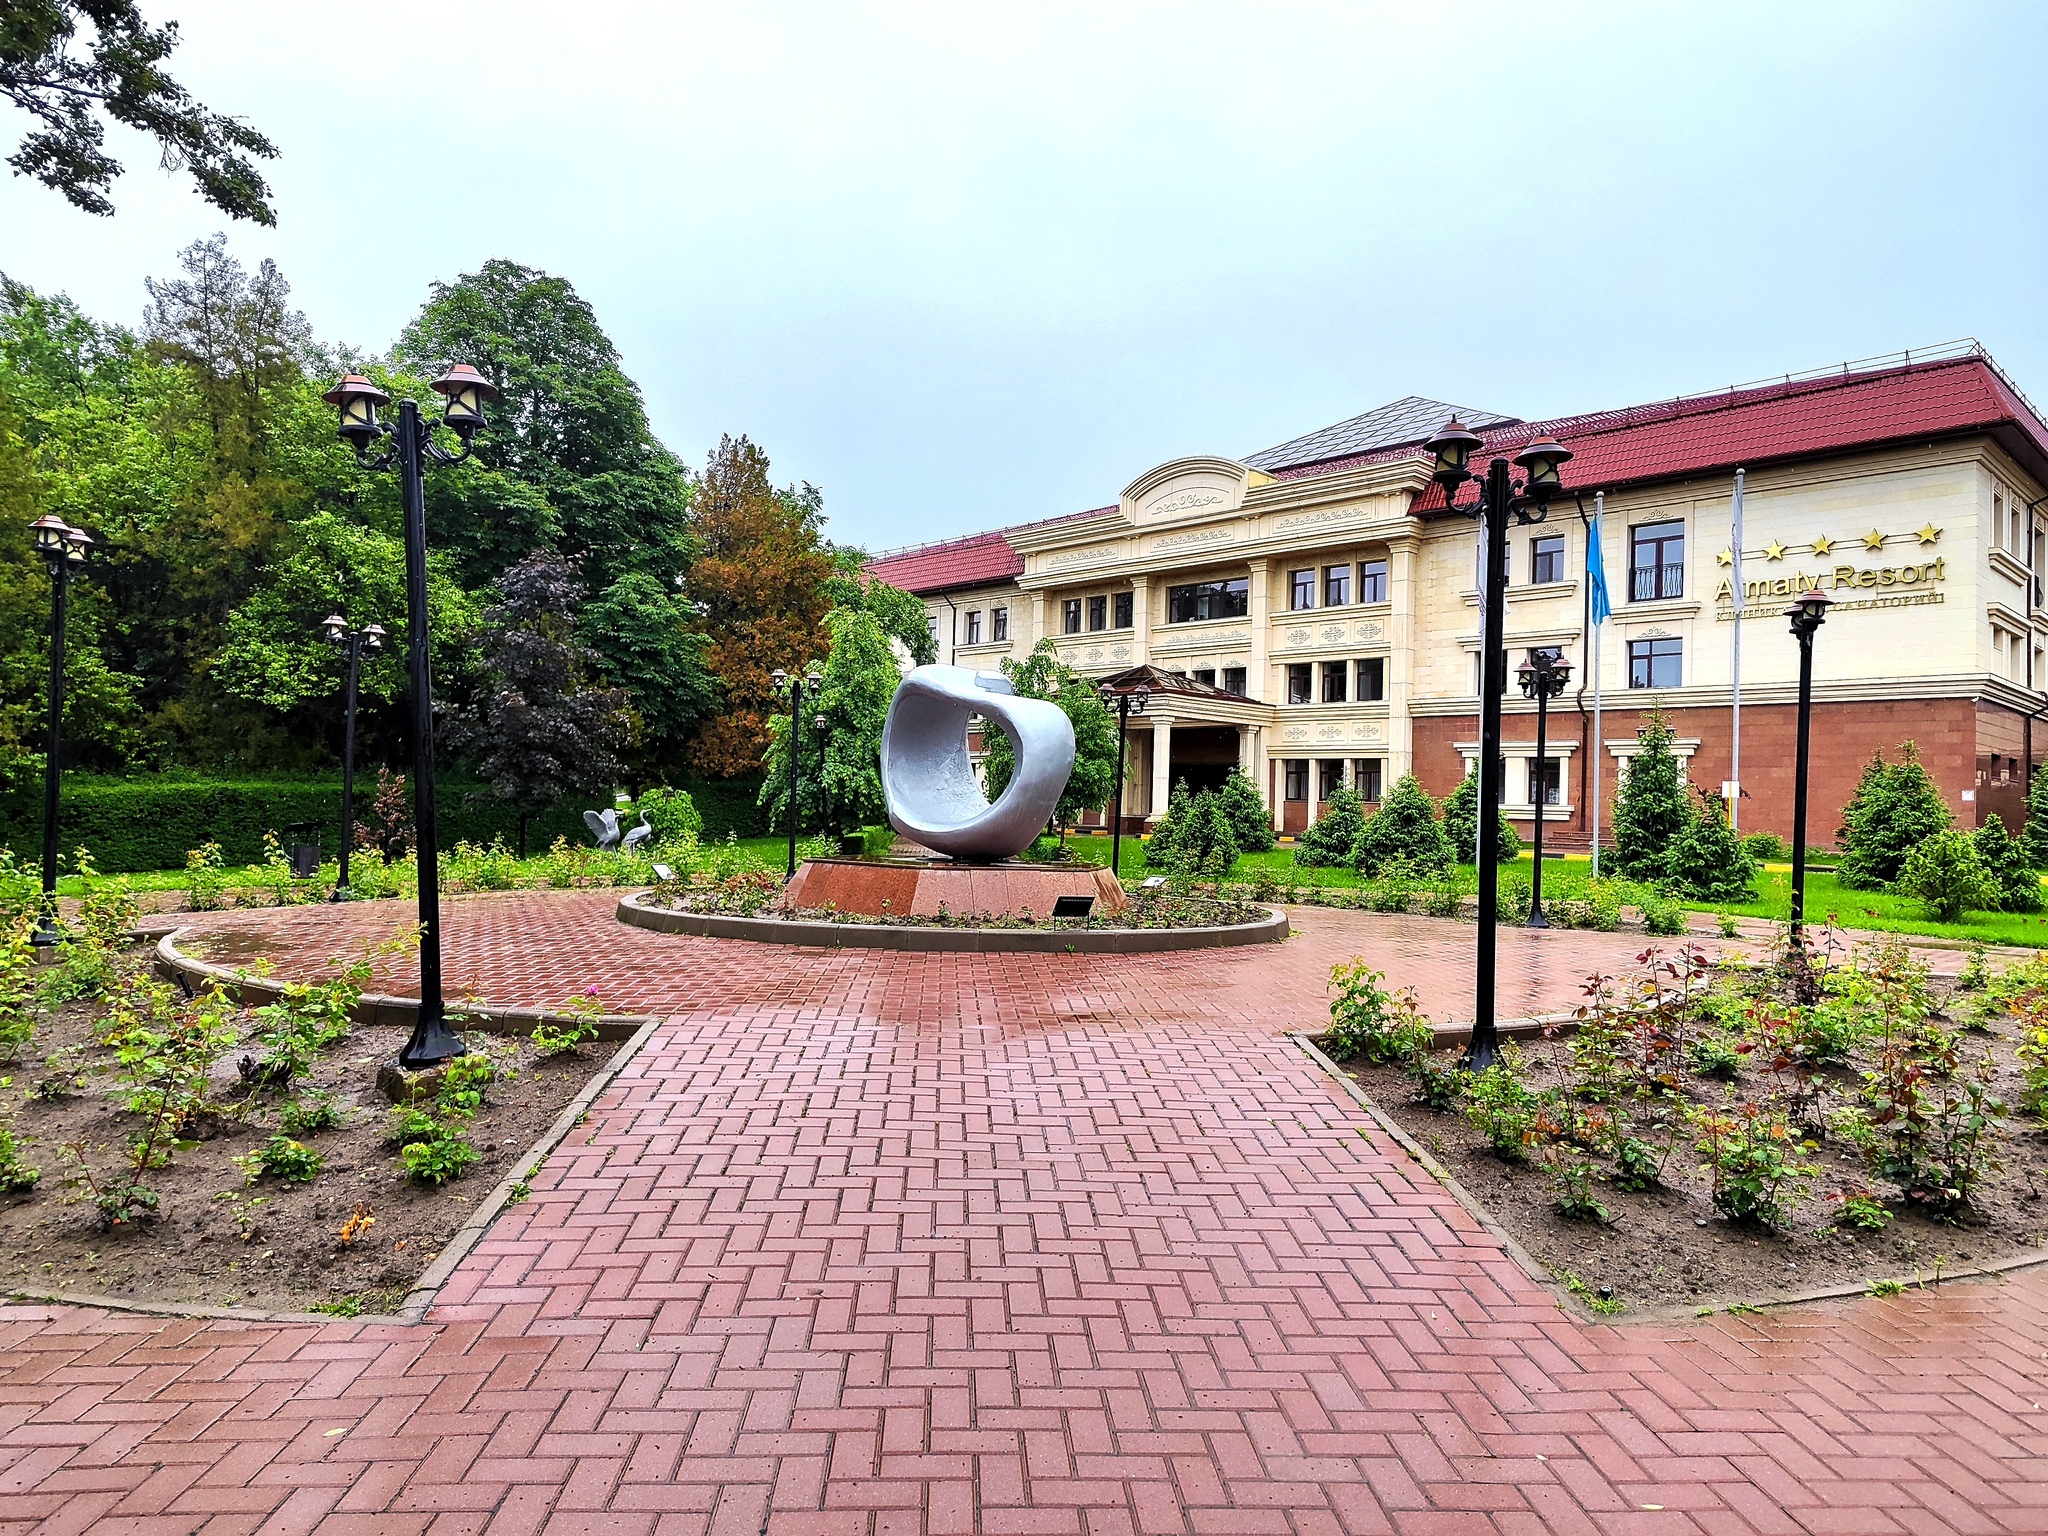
(134, 824)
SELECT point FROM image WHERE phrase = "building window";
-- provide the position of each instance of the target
(1656, 562)
(1372, 581)
(1365, 778)
(1206, 675)
(1098, 613)
(1329, 777)
(1122, 605)
(1298, 682)
(1544, 780)
(1546, 558)
(1233, 680)
(1372, 679)
(1336, 586)
(999, 623)
(1478, 678)
(1070, 616)
(1507, 564)
(1208, 600)
(974, 626)
(1296, 775)
(931, 625)
(1301, 589)
(1333, 681)
(1653, 663)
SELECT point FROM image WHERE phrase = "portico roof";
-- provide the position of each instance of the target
(1181, 697)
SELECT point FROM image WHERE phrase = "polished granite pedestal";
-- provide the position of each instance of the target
(879, 888)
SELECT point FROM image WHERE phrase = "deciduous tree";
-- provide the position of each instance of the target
(1043, 675)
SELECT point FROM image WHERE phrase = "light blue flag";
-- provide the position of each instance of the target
(1596, 576)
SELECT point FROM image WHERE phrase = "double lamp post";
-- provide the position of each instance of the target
(1126, 704)
(63, 550)
(411, 449)
(351, 643)
(792, 688)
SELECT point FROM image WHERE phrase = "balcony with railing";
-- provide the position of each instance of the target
(1648, 583)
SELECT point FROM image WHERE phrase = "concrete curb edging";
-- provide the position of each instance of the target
(413, 1309)
(1056, 941)
(372, 1008)
(1996, 1269)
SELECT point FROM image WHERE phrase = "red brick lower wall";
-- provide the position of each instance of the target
(1965, 745)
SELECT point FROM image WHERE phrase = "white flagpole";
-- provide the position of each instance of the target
(1599, 745)
(1735, 726)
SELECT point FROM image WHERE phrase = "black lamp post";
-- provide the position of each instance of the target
(63, 550)
(1807, 615)
(1127, 705)
(1501, 498)
(791, 687)
(1543, 675)
(412, 448)
(352, 642)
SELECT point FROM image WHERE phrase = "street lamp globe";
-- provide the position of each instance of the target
(1808, 612)
(76, 542)
(51, 533)
(373, 637)
(357, 400)
(336, 628)
(467, 393)
(1453, 448)
(1540, 461)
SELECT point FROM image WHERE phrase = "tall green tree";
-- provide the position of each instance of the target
(643, 636)
(2034, 836)
(571, 423)
(839, 780)
(903, 616)
(541, 729)
(72, 84)
(1043, 675)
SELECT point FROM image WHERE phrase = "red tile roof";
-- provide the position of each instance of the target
(1704, 434)
(1746, 428)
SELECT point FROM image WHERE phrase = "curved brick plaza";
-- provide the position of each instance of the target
(899, 1243)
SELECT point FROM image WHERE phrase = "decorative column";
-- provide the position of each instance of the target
(1402, 595)
(1037, 619)
(1255, 765)
(1257, 681)
(1162, 764)
(1141, 620)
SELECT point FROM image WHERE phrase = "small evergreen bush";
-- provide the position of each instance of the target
(2034, 836)
(1946, 873)
(1331, 841)
(2005, 859)
(1651, 812)
(1405, 827)
(1251, 824)
(1461, 824)
(1708, 863)
(1896, 809)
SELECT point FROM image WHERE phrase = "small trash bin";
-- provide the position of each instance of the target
(303, 852)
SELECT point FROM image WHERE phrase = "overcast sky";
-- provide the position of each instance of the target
(965, 265)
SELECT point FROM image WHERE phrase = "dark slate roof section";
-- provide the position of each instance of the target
(1413, 419)
(1157, 680)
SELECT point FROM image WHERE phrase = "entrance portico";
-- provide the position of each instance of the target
(1192, 732)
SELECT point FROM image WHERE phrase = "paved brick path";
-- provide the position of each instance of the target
(1016, 1244)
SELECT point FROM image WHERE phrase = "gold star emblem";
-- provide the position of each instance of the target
(1726, 557)
(1823, 545)
(1929, 534)
(1873, 540)
(1774, 550)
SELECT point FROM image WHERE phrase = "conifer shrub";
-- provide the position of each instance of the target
(1945, 873)
(1251, 824)
(1159, 846)
(1334, 836)
(1404, 828)
(1708, 861)
(2034, 836)
(1651, 811)
(1461, 824)
(1896, 809)
(1197, 835)
(2005, 859)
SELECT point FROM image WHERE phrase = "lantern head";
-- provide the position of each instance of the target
(1540, 461)
(357, 399)
(467, 393)
(1453, 448)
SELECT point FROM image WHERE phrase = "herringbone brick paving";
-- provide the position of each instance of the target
(890, 1243)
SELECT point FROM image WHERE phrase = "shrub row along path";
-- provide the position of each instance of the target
(895, 1243)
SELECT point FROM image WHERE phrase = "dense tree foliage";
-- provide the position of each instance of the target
(839, 780)
(230, 521)
(1896, 807)
(540, 728)
(66, 83)
(1043, 675)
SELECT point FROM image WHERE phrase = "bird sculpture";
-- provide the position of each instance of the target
(640, 835)
(604, 826)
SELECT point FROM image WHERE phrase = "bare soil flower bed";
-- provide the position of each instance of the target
(1722, 1090)
(354, 1237)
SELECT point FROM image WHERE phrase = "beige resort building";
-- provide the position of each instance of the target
(1313, 607)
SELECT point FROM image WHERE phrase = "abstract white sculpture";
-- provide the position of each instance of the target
(928, 777)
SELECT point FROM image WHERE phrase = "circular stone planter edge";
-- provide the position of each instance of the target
(1045, 941)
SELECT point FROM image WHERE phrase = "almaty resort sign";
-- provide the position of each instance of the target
(1882, 582)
